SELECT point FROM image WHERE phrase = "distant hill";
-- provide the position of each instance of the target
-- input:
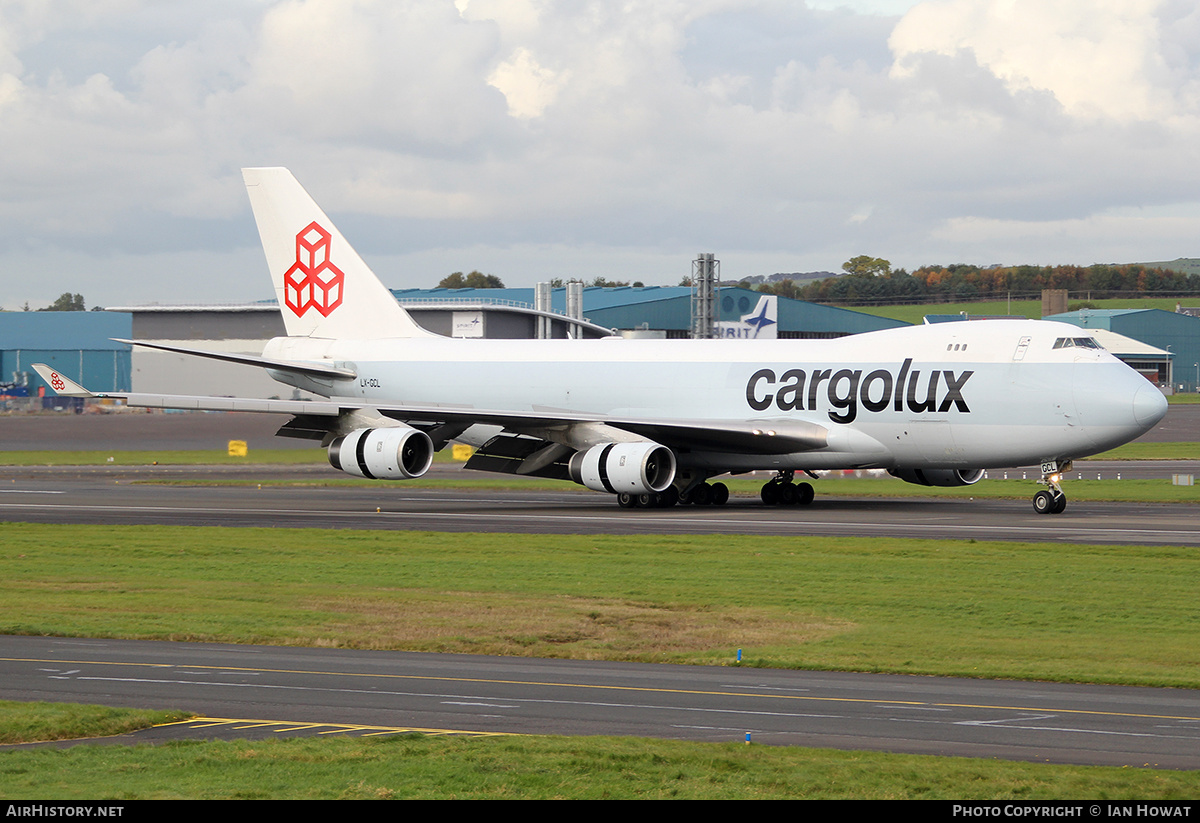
(1183, 265)
(795, 275)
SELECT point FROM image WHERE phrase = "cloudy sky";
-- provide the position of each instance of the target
(542, 138)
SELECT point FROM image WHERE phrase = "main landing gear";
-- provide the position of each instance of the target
(705, 494)
(781, 491)
(701, 494)
(1051, 500)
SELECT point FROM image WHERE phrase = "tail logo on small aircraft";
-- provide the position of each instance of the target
(56, 382)
(313, 282)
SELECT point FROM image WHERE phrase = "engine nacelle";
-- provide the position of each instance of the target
(391, 453)
(635, 468)
(939, 477)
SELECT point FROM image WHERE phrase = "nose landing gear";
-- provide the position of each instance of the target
(1051, 500)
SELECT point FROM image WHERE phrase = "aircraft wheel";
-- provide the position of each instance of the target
(788, 495)
(720, 494)
(770, 494)
(805, 493)
(702, 495)
(648, 500)
(1060, 504)
(668, 498)
(625, 500)
(1043, 502)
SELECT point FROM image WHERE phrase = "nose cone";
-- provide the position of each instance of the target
(1149, 406)
(1115, 405)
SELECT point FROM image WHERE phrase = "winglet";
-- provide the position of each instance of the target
(65, 386)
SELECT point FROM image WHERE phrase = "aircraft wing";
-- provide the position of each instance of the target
(737, 436)
(734, 436)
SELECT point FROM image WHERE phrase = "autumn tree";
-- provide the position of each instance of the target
(867, 265)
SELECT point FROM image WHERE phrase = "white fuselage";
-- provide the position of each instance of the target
(954, 395)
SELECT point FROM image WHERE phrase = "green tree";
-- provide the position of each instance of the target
(474, 280)
(66, 302)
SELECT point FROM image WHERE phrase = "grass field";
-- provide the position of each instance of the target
(33, 722)
(1026, 611)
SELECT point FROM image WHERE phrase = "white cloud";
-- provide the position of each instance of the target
(406, 73)
(1099, 58)
(540, 136)
(527, 86)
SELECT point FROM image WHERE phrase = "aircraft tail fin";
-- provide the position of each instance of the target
(324, 288)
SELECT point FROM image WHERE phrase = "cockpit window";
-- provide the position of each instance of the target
(1077, 342)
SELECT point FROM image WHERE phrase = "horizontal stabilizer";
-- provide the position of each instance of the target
(311, 369)
(242, 404)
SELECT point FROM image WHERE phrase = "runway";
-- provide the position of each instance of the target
(112, 496)
(320, 691)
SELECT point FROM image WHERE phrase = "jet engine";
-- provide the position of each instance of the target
(939, 477)
(634, 468)
(385, 454)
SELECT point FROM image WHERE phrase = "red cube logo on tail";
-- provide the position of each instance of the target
(312, 281)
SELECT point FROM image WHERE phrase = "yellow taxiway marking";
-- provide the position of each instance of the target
(285, 726)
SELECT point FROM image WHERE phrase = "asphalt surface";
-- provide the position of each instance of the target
(141, 430)
(256, 691)
(114, 496)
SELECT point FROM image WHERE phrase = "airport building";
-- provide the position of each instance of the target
(661, 311)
